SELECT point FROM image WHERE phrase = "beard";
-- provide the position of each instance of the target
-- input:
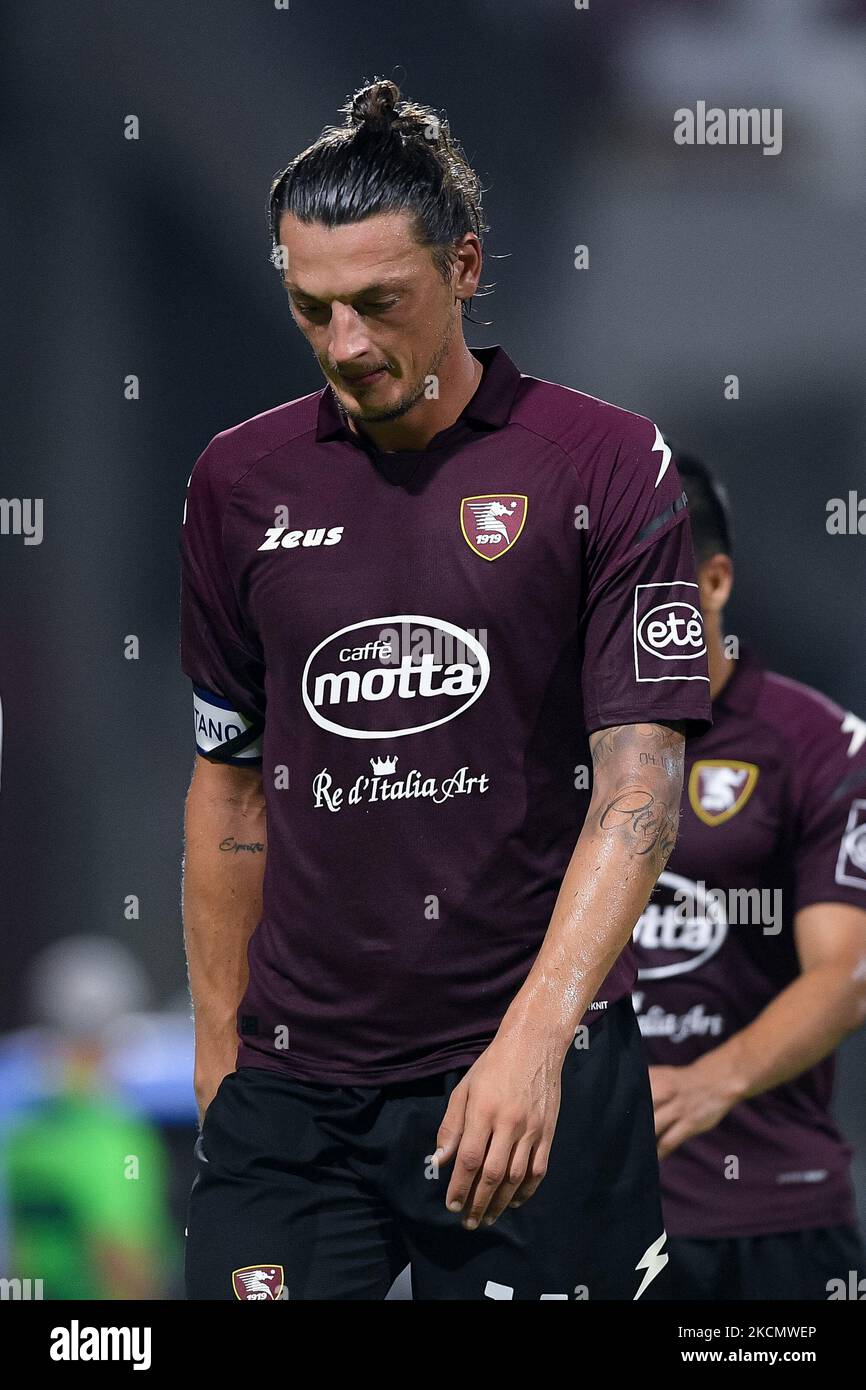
(410, 395)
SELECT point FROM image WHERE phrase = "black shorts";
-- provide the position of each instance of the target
(328, 1191)
(791, 1265)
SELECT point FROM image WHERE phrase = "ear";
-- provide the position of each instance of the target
(715, 581)
(467, 262)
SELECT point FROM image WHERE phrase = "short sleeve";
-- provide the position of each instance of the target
(644, 649)
(830, 853)
(219, 652)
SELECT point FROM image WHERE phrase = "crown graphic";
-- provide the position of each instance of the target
(381, 766)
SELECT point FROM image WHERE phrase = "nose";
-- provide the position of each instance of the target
(348, 341)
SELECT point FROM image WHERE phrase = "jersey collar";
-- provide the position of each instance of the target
(490, 406)
(740, 695)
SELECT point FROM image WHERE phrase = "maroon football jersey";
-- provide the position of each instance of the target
(774, 818)
(415, 645)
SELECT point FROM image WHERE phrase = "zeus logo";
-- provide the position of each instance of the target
(672, 631)
(362, 687)
(281, 536)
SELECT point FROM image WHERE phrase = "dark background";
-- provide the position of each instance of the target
(150, 257)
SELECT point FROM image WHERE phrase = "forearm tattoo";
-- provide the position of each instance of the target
(638, 770)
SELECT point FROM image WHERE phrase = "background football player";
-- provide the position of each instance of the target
(752, 970)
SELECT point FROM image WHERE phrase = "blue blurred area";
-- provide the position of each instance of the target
(150, 1068)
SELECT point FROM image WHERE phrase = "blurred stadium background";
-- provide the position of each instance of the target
(149, 257)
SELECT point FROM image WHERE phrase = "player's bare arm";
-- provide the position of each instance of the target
(222, 898)
(501, 1118)
(801, 1026)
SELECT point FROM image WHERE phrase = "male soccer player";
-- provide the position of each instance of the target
(752, 969)
(407, 600)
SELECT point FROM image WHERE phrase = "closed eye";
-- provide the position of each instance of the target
(370, 307)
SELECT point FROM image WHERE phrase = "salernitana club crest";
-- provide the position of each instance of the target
(258, 1283)
(492, 522)
(720, 787)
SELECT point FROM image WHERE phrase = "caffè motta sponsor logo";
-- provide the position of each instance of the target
(392, 676)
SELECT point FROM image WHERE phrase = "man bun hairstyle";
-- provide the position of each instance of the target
(390, 155)
(374, 105)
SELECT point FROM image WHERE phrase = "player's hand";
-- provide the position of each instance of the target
(499, 1126)
(690, 1100)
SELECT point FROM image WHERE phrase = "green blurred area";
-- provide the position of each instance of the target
(86, 1185)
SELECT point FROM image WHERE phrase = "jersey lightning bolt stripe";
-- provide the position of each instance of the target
(424, 639)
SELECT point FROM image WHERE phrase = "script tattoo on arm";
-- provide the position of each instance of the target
(638, 778)
(254, 846)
